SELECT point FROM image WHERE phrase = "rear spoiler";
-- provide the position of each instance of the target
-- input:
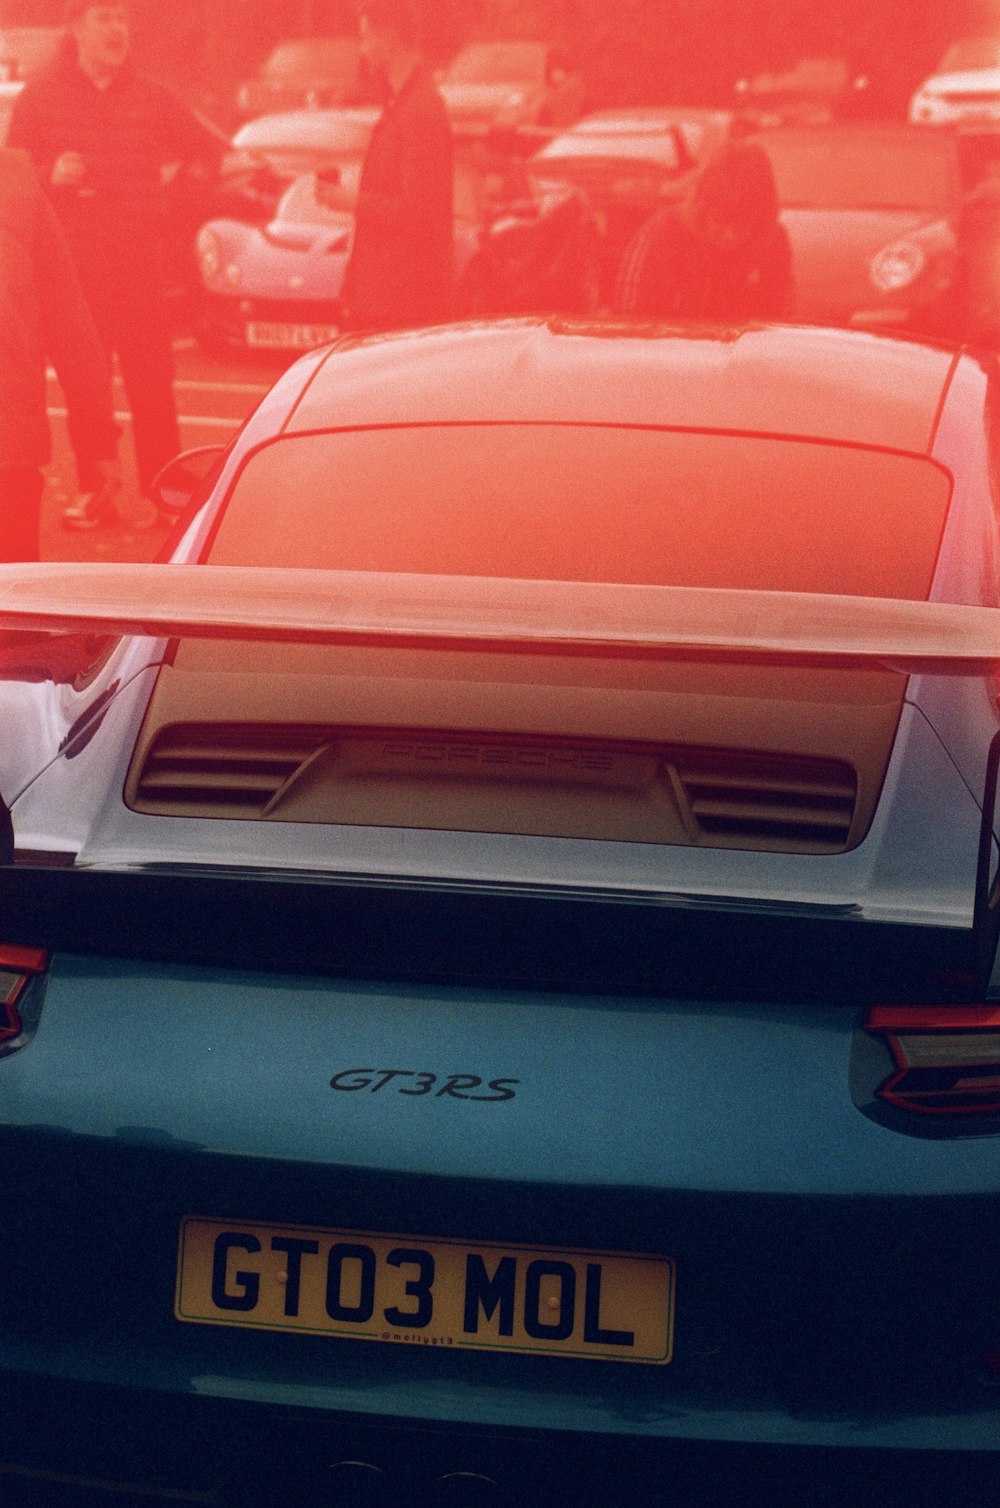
(493, 616)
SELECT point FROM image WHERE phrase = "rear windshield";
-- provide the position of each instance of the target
(497, 63)
(313, 58)
(591, 504)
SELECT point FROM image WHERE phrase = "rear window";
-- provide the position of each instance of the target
(497, 63)
(313, 58)
(591, 503)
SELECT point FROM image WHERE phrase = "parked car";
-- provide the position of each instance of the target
(27, 50)
(629, 164)
(499, 991)
(519, 245)
(812, 92)
(271, 151)
(965, 87)
(308, 71)
(872, 214)
(509, 86)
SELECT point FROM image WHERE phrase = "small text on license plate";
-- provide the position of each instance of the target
(271, 336)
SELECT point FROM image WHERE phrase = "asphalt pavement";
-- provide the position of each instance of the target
(214, 396)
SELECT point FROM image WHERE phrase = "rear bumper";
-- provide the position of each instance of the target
(86, 1446)
(846, 1316)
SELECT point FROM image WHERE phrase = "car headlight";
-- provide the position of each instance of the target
(925, 107)
(896, 266)
(209, 250)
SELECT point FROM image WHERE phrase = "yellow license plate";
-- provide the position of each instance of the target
(406, 1290)
(285, 337)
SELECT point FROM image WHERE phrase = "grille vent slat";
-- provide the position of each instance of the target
(778, 802)
(236, 771)
(728, 798)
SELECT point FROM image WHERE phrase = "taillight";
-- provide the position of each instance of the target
(947, 1057)
(20, 970)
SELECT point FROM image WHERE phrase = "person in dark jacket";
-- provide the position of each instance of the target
(43, 315)
(723, 256)
(401, 266)
(105, 141)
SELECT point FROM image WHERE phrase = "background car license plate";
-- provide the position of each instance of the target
(272, 336)
(404, 1289)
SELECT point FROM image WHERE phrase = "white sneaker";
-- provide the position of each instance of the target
(92, 510)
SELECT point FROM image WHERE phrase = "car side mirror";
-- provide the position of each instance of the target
(175, 486)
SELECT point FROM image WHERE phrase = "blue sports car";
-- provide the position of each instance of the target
(497, 985)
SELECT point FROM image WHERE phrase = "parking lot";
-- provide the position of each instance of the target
(214, 396)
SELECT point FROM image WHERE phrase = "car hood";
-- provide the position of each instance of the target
(290, 259)
(832, 250)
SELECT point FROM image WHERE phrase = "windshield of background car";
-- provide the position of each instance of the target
(823, 169)
(497, 63)
(971, 54)
(591, 504)
(313, 58)
(303, 203)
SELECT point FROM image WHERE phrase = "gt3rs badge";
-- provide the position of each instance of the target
(456, 1086)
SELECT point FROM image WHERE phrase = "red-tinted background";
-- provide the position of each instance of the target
(629, 50)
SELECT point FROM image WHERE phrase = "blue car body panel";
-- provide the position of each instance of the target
(673, 1115)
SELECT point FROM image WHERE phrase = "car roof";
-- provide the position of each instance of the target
(825, 384)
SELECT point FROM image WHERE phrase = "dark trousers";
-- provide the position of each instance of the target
(20, 511)
(133, 325)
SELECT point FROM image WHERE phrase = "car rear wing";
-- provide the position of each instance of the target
(495, 616)
(364, 925)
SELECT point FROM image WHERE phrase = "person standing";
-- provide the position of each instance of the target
(722, 257)
(43, 315)
(106, 142)
(401, 266)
